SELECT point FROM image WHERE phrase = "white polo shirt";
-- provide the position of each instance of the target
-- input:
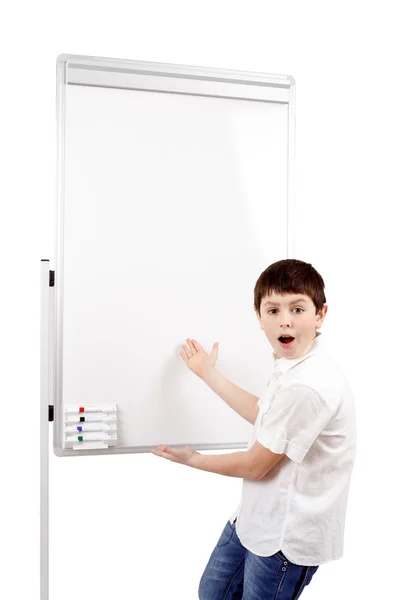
(307, 412)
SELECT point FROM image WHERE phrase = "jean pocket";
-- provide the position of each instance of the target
(226, 534)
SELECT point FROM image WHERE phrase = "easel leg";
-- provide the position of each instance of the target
(44, 432)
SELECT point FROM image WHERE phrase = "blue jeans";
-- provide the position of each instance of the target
(235, 573)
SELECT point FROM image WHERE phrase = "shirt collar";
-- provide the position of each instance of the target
(281, 365)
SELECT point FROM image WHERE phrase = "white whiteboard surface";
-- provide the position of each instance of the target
(170, 205)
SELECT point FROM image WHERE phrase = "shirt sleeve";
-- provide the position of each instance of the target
(296, 417)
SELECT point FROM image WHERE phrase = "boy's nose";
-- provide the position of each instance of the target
(285, 328)
(285, 322)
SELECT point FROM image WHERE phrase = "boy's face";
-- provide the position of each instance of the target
(290, 314)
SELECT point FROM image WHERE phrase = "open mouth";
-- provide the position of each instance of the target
(285, 340)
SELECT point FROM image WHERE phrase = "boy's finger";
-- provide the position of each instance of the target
(186, 351)
(163, 452)
(191, 346)
(197, 345)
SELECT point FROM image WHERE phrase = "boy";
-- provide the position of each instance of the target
(297, 468)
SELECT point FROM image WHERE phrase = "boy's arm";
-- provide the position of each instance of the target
(235, 464)
(242, 402)
(252, 464)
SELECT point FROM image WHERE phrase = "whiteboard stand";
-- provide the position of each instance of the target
(45, 417)
(231, 132)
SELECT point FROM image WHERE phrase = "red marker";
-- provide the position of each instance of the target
(81, 409)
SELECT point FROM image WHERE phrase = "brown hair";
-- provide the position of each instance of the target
(290, 276)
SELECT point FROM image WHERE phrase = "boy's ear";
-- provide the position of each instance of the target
(322, 314)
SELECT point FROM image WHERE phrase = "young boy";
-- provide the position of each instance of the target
(297, 468)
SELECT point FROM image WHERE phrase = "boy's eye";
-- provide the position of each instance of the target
(296, 308)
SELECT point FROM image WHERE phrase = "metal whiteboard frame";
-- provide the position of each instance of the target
(139, 75)
(163, 78)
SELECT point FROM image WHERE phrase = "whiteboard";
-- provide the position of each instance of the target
(174, 193)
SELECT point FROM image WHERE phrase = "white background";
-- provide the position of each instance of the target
(344, 59)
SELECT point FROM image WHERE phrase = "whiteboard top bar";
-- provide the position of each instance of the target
(164, 77)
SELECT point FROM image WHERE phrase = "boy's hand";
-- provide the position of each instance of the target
(196, 359)
(179, 455)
